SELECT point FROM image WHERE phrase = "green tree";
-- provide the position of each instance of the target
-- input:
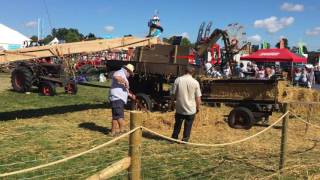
(69, 35)
(294, 49)
(48, 39)
(34, 38)
(184, 41)
(90, 36)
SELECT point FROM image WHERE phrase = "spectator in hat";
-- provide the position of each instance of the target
(118, 96)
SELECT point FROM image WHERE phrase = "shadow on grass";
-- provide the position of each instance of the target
(267, 125)
(154, 137)
(93, 127)
(93, 85)
(33, 113)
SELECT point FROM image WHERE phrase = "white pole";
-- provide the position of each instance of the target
(38, 29)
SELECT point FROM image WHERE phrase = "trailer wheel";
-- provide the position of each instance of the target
(47, 88)
(71, 88)
(241, 118)
(142, 100)
(21, 79)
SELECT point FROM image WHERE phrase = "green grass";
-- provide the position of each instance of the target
(52, 128)
(11, 101)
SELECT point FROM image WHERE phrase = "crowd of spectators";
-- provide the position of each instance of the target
(250, 71)
(303, 76)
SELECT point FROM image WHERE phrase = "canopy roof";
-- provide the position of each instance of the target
(10, 36)
(274, 55)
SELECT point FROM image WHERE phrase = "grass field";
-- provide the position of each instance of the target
(35, 130)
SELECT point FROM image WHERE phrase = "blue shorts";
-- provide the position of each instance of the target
(117, 107)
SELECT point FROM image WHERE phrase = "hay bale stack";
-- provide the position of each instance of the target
(288, 93)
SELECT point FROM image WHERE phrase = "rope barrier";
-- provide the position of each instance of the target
(68, 158)
(155, 133)
(216, 145)
(299, 118)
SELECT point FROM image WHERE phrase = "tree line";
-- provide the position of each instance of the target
(73, 35)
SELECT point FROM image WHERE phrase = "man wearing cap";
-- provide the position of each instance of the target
(186, 91)
(118, 96)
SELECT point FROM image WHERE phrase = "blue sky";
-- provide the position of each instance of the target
(263, 20)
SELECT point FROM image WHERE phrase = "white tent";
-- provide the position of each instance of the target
(11, 39)
(54, 41)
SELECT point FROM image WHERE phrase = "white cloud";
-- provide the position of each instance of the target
(255, 39)
(273, 24)
(31, 24)
(185, 34)
(313, 32)
(292, 7)
(282, 37)
(109, 29)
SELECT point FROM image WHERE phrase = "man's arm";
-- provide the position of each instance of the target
(173, 94)
(198, 103)
(198, 95)
(120, 80)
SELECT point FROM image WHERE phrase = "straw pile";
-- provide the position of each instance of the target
(292, 94)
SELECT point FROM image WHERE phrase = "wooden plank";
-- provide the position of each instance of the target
(112, 170)
(75, 48)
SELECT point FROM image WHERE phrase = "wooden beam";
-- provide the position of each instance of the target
(75, 48)
(112, 170)
(17, 53)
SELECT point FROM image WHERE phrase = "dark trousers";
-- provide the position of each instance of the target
(188, 121)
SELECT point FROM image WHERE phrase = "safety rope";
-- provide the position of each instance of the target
(70, 157)
(217, 145)
(299, 118)
(148, 130)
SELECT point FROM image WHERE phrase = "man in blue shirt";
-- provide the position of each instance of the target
(118, 96)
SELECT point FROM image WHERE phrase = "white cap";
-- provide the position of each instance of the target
(130, 68)
(309, 66)
(156, 18)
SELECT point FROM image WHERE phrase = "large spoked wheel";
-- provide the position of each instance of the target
(21, 79)
(142, 102)
(241, 118)
(47, 89)
(71, 88)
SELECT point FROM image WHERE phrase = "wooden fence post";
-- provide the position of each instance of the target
(135, 145)
(283, 139)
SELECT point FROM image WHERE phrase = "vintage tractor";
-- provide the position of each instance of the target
(46, 76)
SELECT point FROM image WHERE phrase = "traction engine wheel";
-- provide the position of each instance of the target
(47, 88)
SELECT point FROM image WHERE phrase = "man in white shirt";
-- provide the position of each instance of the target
(187, 93)
(118, 97)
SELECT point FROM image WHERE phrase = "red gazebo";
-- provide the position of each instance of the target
(274, 55)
